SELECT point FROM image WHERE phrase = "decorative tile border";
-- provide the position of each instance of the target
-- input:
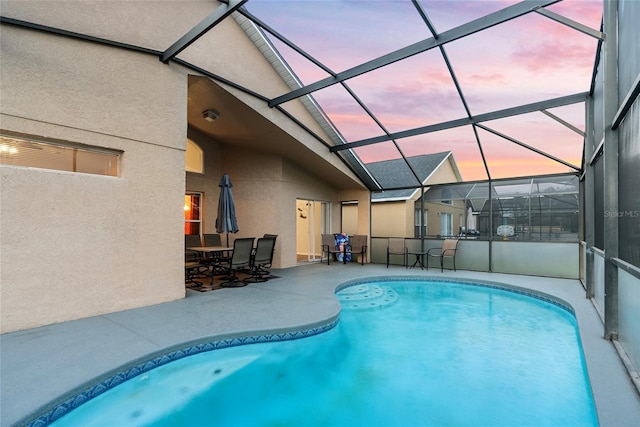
(96, 390)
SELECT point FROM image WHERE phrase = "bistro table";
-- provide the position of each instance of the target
(419, 259)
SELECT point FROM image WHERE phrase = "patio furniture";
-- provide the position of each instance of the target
(212, 240)
(261, 260)
(329, 246)
(419, 258)
(448, 250)
(240, 259)
(215, 257)
(357, 246)
(396, 246)
(193, 267)
(192, 240)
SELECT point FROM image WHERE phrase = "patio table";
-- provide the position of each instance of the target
(419, 259)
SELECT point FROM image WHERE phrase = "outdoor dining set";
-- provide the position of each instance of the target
(247, 261)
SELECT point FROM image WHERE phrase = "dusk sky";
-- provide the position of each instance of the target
(525, 60)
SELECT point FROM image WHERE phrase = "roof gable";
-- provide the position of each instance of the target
(396, 174)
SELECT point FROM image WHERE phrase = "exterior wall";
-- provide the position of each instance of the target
(75, 245)
(350, 219)
(363, 221)
(392, 219)
(433, 216)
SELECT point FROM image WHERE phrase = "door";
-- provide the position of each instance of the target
(313, 219)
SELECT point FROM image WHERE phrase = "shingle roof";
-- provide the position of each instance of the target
(396, 174)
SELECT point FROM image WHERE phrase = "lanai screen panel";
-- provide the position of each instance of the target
(400, 79)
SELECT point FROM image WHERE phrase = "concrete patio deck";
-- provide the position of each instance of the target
(40, 368)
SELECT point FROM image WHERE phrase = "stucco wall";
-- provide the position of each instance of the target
(390, 219)
(265, 189)
(75, 245)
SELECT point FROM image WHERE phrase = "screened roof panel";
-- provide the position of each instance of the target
(305, 70)
(414, 92)
(377, 152)
(342, 34)
(584, 12)
(506, 159)
(543, 133)
(478, 191)
(555, 185)
(520, 62)
(346, 113)
(388, 79)
(440, 11)
(394, 99)
(460, 141)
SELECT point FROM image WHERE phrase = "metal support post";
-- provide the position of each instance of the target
(610, 92)
(588, 197)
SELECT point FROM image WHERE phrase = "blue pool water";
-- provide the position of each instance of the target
(404, 353)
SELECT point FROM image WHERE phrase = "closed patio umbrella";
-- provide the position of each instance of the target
(226, 221)
(471, 221)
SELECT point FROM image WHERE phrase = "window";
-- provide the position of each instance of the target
(194, 158)
(36, 152)
(418, 222)
(446, 224)
(192, 213)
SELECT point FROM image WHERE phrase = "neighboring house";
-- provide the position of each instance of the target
(397, 213)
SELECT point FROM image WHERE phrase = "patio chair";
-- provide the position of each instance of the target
(261, 260)
(448, 250)
(193, 267)
(357, 246)
(212, 240)
(192, 241)
(329, 246)
(396, 246)
(240, 260)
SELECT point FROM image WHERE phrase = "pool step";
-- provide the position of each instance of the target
(366, 296)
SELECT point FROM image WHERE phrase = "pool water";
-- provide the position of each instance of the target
(404, 353)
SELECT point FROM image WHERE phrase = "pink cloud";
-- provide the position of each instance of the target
(554, 55)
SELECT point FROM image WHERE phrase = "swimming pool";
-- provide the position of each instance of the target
(405, 352)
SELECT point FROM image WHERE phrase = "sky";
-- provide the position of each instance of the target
(529, 59)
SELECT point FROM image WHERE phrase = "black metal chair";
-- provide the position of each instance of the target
(212, 240)
(261, 260)
(240, 260)
(194, 265)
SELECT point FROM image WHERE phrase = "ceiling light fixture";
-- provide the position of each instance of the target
(210, 115)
